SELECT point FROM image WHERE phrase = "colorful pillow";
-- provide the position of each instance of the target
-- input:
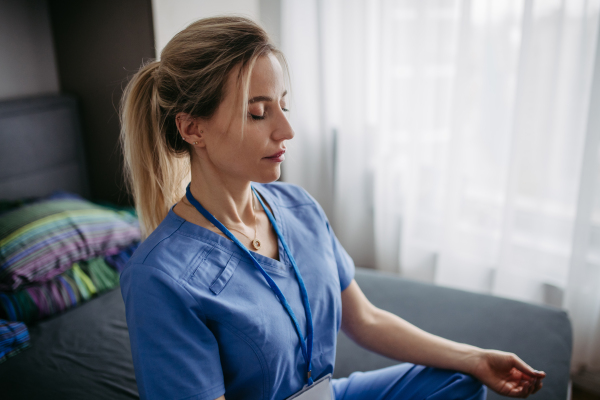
(78, 284)
(14, 337)
(41, 240)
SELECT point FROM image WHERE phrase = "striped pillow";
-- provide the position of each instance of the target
(42, 240)
(80, 283)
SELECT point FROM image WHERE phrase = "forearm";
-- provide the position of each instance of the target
(393, 337)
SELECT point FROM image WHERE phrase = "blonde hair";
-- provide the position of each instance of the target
(190, 77)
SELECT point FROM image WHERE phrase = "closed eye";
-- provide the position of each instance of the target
(259, 117)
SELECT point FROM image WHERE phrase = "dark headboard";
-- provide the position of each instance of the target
(41, 147)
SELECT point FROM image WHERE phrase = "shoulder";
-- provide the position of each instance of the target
(295, 199)
(169, 248)
(286, 194)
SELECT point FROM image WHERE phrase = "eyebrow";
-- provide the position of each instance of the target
(264, 98)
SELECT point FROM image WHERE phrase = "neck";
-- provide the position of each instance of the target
(229, 200)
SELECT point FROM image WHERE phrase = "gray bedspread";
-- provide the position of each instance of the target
(85, 353)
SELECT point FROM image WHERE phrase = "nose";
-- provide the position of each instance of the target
(282, 129)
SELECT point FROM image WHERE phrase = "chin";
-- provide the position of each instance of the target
(268, 176)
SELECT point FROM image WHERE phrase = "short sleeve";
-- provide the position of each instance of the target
(175, 355)
(345, 264)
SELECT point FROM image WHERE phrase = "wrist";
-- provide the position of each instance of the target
(472, 358)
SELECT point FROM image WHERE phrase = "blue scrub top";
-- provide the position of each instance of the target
(203, 321)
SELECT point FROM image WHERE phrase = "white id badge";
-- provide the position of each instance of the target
(319, 390)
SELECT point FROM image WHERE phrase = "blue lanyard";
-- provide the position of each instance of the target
(305, 346)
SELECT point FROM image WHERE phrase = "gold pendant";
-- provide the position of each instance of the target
(256, 244)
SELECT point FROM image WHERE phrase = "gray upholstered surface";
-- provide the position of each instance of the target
(541, 336)
(40, 147)
(81, 354)
(85, 352)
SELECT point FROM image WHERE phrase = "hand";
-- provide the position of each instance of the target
(507, 374)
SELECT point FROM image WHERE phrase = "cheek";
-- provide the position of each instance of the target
(240, 154)
(254, 141)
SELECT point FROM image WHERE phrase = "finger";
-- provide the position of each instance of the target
(516, 392)
(524, 367)
(527, 388)
(538, 387)
(521, 390)
(532, 386)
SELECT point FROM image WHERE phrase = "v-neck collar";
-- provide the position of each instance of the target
(205, 234)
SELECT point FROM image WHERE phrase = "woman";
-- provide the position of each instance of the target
(241, 287)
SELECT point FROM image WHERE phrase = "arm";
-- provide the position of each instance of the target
(391, 336)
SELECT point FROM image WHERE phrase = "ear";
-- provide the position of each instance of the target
(190, 129)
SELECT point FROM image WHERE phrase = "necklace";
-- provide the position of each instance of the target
(255, 242)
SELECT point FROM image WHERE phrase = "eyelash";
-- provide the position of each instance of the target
(259, 117)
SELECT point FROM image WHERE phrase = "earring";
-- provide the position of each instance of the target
(195, 142)
(201, 131)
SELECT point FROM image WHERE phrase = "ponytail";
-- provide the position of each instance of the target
(154, 176)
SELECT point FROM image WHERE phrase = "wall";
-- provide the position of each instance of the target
(27, 61)
(99, 44)
(171, 16)
(89, 49)
(269, 12)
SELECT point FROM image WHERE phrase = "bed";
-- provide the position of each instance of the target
(84, 352)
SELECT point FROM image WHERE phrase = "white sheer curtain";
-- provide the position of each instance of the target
(457, 142)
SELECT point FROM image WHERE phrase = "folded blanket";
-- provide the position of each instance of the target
(14, 337)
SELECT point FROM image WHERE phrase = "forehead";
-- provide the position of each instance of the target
(266, 79)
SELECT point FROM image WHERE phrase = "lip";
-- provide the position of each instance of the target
(278, 157)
